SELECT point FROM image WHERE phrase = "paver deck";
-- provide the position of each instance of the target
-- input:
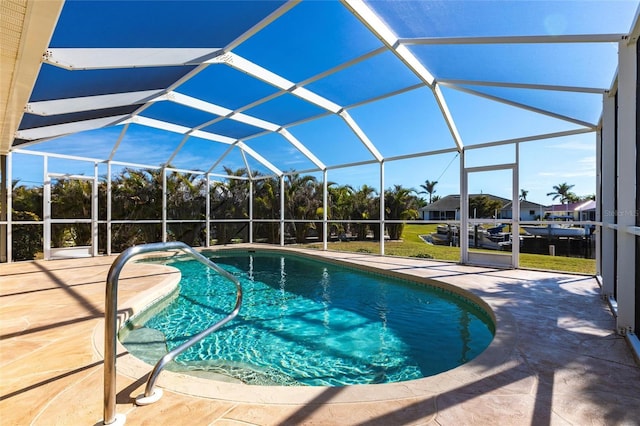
(555, 359)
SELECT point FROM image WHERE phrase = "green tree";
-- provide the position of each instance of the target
(399, 204)
(266, 205)
(523, 194)
(562, 192)
(230, 200)
(71, 199)
(573, 198)
(429, 187)
(363, 208)
(340, 201)
(186, 201)
(483, 207)
(136, 195)
(26, 206)
(303, 198)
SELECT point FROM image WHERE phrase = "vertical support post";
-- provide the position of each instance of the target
(94, 211)
(164, 205)
(250, 210)
(4, 190)
(282, 210)
(463, 235)
(607, 198)
(207, 209)
(325, 209)
(626, 195)
(109, 208)
(382, 207)
(46, 209)
(598, 235)
(9, 208)
(515, 197)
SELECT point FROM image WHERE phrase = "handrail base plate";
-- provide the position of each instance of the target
(120, 420)
(142, 400)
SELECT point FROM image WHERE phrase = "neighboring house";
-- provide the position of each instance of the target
(528, 210)
(448, 208)
(583, 210)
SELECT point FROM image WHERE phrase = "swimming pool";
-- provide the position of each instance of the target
(309, 322)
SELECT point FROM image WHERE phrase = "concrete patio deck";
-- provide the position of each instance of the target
(555, 358)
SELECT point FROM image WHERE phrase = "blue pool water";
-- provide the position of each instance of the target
(307, 322)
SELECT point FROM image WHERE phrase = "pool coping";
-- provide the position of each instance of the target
(496, 355)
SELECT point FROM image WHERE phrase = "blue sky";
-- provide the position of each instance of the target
(316, 36)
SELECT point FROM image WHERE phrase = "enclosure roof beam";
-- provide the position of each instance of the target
(290, 4)
(222, 157)
(361, 135)
(269, 77)
(274, 79)
(68, 128)
(87, 103)
(530, 138)
(191, 102)
(246, 163)
(119, 141)
(378, 27)
(109, 58)
(546, 39)
(177, 150)
(176, 128)
(550, 87)
(523, 106)
(213, 137)
(446, 113)
(259, 157)
(302, 148)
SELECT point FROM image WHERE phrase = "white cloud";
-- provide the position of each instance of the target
(574, 145)
(580, 167)
(591, 160)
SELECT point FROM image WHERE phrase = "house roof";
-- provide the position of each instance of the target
(573, 207)
(247, 80)
(526, 205)
(452, 202)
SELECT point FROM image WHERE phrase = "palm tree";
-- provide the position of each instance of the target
(186, 200)
(523, 194)
(429, 188)
(362, 206)
(71, 199)
(266, 205)
(339, 204)
(399, 205)
(303, 197)
(27, 205)
(562, 191)
(229, 200)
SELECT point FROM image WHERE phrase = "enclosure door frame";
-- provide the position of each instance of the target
(49, 220)
(490, 259)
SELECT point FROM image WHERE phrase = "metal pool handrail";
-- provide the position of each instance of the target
(110, 327)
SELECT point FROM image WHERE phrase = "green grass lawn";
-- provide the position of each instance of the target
(412, 245)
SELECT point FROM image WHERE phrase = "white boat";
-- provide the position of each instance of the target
(448, 235)
(554, 230)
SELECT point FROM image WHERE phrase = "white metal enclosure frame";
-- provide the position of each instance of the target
(49, 220)
(616, 129)
(490, 259)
